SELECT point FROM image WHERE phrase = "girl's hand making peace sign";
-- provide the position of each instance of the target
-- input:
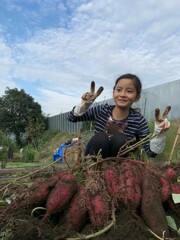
(87, 99)
(161, 125)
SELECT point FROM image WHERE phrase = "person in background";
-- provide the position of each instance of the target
(118, 123)
(10, 152)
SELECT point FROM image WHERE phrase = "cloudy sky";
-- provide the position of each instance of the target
(53, 49)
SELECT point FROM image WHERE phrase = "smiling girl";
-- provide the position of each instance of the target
(116, 124)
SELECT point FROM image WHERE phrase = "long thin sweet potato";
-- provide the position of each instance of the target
(76, 214)
(61, 194)
(151, 206)
(130, 178)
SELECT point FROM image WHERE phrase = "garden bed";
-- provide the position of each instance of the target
(18, 222)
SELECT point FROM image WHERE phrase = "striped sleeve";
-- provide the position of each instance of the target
(91, 114)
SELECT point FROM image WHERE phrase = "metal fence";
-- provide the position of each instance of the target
(61, 124)
(159, 96)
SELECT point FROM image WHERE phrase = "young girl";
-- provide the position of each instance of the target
(119, 123)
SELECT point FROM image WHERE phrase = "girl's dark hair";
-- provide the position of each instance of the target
(133, 77)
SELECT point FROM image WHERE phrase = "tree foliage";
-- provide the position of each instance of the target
(16, 108)
(34, 130)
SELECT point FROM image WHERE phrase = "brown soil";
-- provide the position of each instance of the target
(25, 227)
(18, 224)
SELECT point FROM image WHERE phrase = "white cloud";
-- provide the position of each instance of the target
(57, 102)
(6, 65)
(102, 40)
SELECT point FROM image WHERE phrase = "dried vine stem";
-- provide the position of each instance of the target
(163, 238)
(124, 151)
(174, 144)
(37, 208)
(28, 175)
(135, 145)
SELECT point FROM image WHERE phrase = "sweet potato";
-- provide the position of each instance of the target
(168, 183)
(130, 177)
(151, 206)
(171, 174)
(40, 195)
(98, 209)
(175, 187)
(76, 214)
(165, 189)
(111, 180)
(131, 170)
(61, 194)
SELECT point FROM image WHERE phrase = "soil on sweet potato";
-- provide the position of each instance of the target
(17, 223)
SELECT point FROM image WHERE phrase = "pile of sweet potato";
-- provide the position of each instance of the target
(142, 188)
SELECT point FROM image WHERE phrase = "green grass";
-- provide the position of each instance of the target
(24, 164)
(52, 140)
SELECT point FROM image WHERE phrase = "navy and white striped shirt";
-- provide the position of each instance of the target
(136, 124)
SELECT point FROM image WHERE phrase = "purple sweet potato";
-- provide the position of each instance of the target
(111, 180)
(151, 206)
(76, 214)
(171, 174)
(40, 195)
(98, 209)
(175, 187)
(131, 171)
(165, 189)
(130, 177)
(61, 194)
(168, 183)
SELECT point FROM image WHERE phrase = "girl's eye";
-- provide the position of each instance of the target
(118, 89)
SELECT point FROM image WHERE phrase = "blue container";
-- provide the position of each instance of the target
(59, 153)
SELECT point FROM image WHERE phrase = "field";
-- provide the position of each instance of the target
(21, 220)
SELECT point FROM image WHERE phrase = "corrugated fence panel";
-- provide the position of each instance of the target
(161, 96)
(158, 96)
(60, 123)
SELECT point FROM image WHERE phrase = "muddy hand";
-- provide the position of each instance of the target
(161, 120)
(92, 95)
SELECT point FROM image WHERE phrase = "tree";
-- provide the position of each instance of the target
(16, 108)
(34, 130)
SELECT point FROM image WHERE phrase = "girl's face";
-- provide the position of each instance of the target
(125, 93)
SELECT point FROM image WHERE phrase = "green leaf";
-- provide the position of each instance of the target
(171, 223)
(178, 179)
(176, 198)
